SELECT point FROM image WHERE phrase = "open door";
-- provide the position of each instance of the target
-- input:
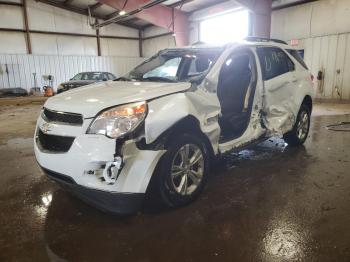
(239, 99)
(279, 106)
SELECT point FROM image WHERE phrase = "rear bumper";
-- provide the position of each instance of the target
(111, 202)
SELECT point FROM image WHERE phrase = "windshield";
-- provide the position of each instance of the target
(175, 66)
(88, 76)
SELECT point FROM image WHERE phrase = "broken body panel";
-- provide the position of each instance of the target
(91, 158)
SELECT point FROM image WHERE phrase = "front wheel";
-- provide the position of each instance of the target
(183, 171)
(300, 131)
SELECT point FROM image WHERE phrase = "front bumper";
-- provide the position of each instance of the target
(81, 168)
(111, 202)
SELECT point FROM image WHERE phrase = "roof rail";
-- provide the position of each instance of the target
(198, 43)
(263, 39)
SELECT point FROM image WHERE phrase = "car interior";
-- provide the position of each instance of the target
(236, 88)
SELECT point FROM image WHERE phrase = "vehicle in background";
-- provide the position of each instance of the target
(85, 78)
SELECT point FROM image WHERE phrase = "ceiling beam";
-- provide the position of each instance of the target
(282, 6)
(180, 3)
(110, 15)
(68, 2)
(163, 16)
(82, 12)
(95, 6)
(10, 3)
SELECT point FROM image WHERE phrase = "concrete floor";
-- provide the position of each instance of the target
(270, 203)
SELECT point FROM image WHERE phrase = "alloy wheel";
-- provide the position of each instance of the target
(187, 169)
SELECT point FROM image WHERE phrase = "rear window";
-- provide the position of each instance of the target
(298, 57)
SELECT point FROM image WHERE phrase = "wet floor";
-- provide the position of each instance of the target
(268, 203)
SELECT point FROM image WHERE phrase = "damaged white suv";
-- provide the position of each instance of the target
(168, 117)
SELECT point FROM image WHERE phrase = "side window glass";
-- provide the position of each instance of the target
(199, 65)
(274, 62)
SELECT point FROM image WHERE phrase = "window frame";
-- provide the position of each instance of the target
(297, 57)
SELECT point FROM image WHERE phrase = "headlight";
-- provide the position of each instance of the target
(60, 87)
(119, 121)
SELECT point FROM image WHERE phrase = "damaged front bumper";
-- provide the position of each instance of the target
(92, 171)
(111, 202)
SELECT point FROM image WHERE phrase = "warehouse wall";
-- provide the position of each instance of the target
(59, 20)
(17, 70)
(152, 46)
(44, 17)
(59, 55)
(322, 29)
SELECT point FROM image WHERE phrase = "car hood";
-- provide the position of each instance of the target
(90, 100)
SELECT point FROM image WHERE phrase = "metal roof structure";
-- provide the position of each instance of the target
(104, 12)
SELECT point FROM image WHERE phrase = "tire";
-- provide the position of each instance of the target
(300, 131)
(177, 185)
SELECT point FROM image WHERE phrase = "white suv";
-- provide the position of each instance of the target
(165, 120)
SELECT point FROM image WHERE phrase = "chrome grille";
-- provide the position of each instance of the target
(62, 117)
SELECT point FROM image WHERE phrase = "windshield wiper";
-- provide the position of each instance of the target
(157, 79)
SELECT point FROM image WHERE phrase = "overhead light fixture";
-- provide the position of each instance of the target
(122, 12)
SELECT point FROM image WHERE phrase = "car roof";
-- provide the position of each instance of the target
(204, 46)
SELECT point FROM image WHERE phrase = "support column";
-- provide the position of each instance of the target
(98, 38)
(140, 43)
(260, 17)
(26, 27)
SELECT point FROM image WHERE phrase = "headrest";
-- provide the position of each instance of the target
(202, 64)
(240, 63)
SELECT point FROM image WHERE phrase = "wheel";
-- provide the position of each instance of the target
(183, 171)
(300, 131)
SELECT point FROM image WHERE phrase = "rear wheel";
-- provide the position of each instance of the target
(300, 131)
(183, 171)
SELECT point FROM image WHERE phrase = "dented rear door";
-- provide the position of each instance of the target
(279, 78)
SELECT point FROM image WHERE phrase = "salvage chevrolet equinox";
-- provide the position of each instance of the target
(162, 123)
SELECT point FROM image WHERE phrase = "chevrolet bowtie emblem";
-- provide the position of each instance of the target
(46, 127)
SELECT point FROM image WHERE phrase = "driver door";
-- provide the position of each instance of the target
(251, 102)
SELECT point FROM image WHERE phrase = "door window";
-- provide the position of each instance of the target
(274, 62)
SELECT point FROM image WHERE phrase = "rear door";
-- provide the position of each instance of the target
(280, 82)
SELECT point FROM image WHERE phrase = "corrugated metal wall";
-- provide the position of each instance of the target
(17, 70)
(331, 55)
(323, 28)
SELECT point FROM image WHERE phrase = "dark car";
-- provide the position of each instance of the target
(85, 78)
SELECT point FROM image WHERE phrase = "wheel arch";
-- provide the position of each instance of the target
(308, 102)
(187, 125)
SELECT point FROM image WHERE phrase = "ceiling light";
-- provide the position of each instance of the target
(122, 12)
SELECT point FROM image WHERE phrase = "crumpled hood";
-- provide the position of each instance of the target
(91, 99)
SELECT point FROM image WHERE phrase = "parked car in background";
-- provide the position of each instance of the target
(85, 78)
(161, 124)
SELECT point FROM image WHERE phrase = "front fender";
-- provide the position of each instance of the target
(165, 112)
